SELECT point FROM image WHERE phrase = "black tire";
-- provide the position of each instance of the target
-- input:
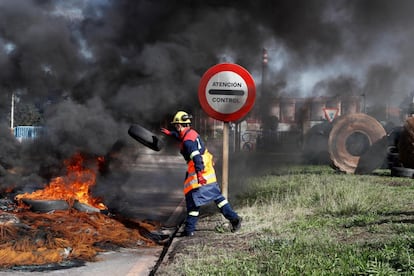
(315, 144)
(85, 207)
(402, 172)
(44, 206)
(406, 144)
(374, 158)
(145, 137)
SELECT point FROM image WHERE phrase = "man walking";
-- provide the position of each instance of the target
(200, 185)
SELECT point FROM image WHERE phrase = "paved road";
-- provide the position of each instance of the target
(150, 188)
(126, 262)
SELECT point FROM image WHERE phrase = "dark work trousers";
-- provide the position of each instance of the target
(193, 210)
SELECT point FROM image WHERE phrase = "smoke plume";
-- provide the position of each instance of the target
(94, 67)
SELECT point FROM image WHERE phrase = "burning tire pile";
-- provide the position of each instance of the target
(63, 225)
(61, 238)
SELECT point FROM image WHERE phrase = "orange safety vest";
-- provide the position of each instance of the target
(209, 173)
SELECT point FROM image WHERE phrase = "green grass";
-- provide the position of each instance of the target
(314, 221)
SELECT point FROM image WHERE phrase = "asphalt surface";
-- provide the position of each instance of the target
(149, 195)
(123, 262)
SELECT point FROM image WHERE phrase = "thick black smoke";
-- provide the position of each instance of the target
(98, 66)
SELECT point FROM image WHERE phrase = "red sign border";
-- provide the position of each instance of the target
(251, 92)
(326, 109)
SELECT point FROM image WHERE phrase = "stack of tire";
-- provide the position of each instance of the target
(357, 144)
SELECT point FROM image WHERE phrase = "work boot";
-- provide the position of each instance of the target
(236, 224)
(186, 234)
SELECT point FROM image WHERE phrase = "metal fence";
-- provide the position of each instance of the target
(27, 132)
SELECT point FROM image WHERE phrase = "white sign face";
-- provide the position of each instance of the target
(226, 92)
(330, 113)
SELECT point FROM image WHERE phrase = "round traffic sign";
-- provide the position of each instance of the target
(227, 92)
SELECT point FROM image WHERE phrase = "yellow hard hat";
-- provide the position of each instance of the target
(182, 117)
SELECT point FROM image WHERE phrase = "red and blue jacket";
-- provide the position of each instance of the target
(198, 159)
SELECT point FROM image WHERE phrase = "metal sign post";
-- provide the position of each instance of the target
(225, 173)
(227, 93)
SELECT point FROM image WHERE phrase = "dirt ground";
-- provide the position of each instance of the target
(213, 230)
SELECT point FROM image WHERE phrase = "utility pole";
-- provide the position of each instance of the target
(12, 113)
(265, 60)
(264, 97)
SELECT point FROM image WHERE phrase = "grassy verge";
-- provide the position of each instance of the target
(310, 221)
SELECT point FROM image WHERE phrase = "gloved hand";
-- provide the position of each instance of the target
(201, 180)
(166, 131)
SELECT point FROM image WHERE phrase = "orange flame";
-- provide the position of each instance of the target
(75, 185)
